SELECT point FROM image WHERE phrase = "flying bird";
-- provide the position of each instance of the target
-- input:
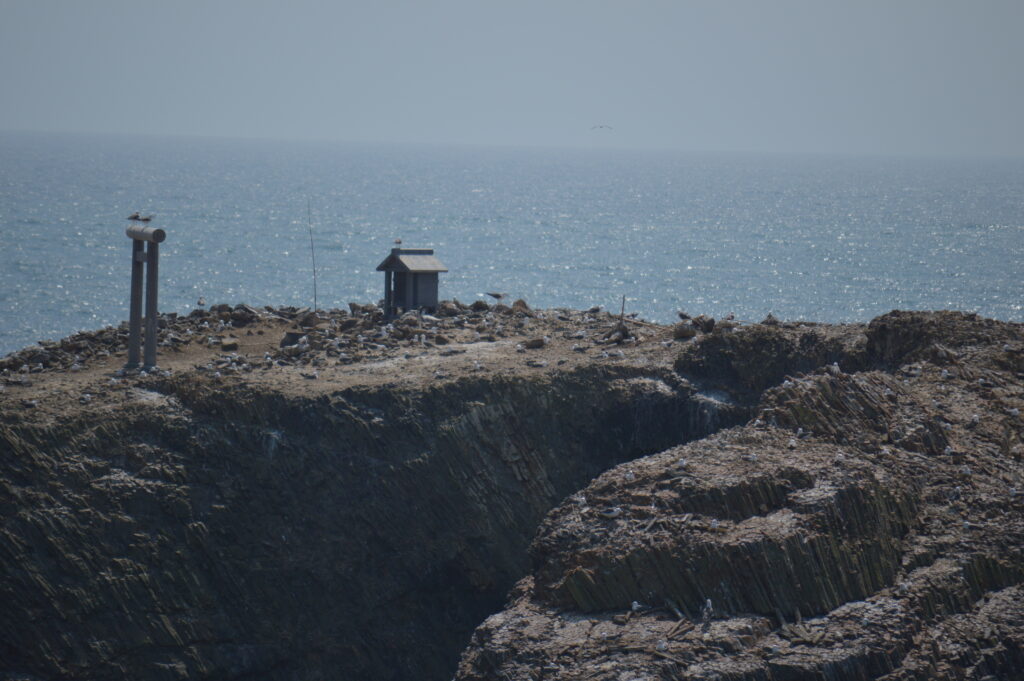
(134, 216)
(599, 127)
(497, 296)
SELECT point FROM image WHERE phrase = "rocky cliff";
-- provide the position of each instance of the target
(301, 496)
(215, 521)
(867, 523)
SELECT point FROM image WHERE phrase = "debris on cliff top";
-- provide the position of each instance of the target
(345, 347)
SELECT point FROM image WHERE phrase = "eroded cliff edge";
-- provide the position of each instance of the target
(867, 523)
(210, 521)
(295, 497)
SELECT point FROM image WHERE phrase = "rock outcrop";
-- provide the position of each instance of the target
(300, 495)
(868, 523)
(221, 522)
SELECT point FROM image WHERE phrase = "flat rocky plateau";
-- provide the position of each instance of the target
(554, 494)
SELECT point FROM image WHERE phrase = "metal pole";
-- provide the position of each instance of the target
(152, 260)
(135, 307)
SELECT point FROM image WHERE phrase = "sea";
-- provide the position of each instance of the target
(804, 237)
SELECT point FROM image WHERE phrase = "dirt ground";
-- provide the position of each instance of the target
(298, 351)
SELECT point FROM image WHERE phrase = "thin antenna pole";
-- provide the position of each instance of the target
(312, 251)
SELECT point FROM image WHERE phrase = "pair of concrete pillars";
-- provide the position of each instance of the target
(145, 256)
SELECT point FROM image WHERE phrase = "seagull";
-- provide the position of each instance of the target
(497, 296)
(599, 127)
(398, 242)
(134, 216)
(201, 302)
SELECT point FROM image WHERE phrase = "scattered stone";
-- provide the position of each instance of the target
(291, 337)
(243, 315)
(682, 331)
(448, 309)
(703, 323)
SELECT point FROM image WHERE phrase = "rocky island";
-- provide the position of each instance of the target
(551, 494)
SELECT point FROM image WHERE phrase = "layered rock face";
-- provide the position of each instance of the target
(770, 502)
(867, 523)
(188, 528)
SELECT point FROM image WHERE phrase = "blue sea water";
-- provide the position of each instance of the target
(804, 237)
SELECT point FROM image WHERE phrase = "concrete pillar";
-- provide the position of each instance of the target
(135, 306)
(152, 321)
(147, 259)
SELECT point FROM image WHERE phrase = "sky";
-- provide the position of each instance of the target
(914, 77)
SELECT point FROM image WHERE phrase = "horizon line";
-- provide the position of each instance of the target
(604, 146)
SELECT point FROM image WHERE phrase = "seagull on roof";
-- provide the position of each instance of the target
(398, 242)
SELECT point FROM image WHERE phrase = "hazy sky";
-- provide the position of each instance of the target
(861, 76)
